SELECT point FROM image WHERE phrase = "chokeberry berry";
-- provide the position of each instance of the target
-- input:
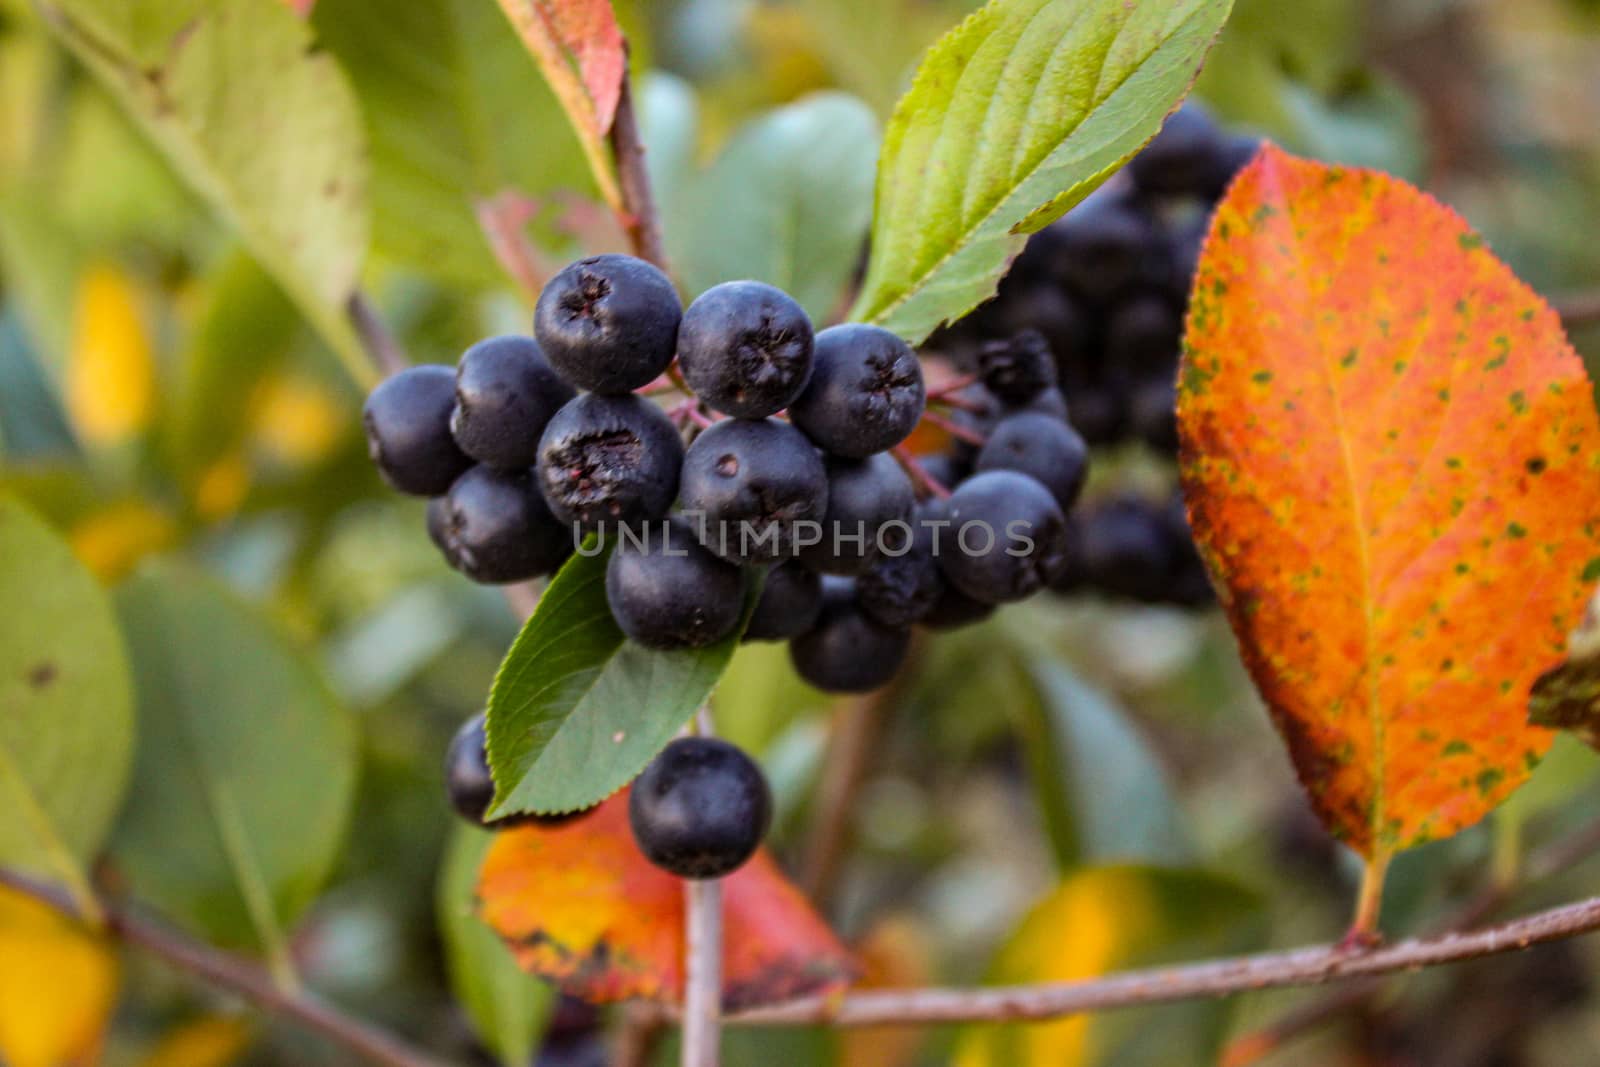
(1099, 412)
(608, 323)
(407, 420)
(791, 599)
(1128, 549)
(1007, 537)
(700, 809)
(847, 651)
(1018, 368)
(1237, 151)
(1044, 447)
(746, 483)
(1153, 414)
(505, 395)
(865, 496)
(667, 592)
(471, 788)
(609, 461)
(745, 348)
(495, 527)
(904, 583)
(1107, 244)
(1183, 159)
(865, 394)
(1143, 333)
(955, 609)
(1067, 326)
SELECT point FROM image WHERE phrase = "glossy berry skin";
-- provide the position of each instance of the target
(1019, 368)
(863, 496)
(495, 527)
(745, 348)
(790, 601)
(1000, 512)
(904, 583)
(505, 395)
(1128, 550)
(667, 592)
(1184, 158)
(606, 461)
(700, 809)
(407, 419)
(847, 651)
(746, 483)
(471, 788)
(608, 324)
(1041, 446)
(865, 394)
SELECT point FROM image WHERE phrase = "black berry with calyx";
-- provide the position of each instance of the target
(981, 411)
(904, 583)
(608, 323)
(745, 348)
(864, 497)
(865, 394)
(790, 601)
(847, 651)
(471, 788)
(667, 592)
(609, 461)
(1184, 158)
(1044, 447)
(407, 419)
(700, 809)
(495, 527)
(1018, 368)
(747, 483)
(506, 393)
(1128, 549)
(1008, 534)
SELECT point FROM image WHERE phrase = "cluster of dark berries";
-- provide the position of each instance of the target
(699, 810)
(1105, 290)
(778, 457)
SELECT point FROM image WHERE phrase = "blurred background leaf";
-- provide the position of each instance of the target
(58, 986)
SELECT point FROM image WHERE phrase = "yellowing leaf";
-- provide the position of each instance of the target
(112, 541)
(221, 487)
(297, 421)
(1107, 918)
(58, 986)
(214, 1041)
(111, 377)
(1392, 463)
(896, 953)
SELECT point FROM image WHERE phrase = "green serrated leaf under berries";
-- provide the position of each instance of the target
(577, 710)
(1014, 116)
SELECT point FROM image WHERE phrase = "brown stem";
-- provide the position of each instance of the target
(639, 218)
(953, 386)
(955, 429)
(1579, 309)
(381, 346)
(919, 474)
(503, 218)
(243, 977)
(1313, 965)
(702, 1001)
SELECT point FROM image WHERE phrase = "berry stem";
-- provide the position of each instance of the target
(951, 387)
(924, 481)
(382, 347)
(502, 219)
(638, 217)
(955, 429)
(1364, 932)
(702, 1002)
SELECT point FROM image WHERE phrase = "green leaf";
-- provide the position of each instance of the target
(261, 124)
(246, 765)
(577, 710)
(1014, 116)
(508, 1007)
(456, 111)
(1104, 795)
(1104, 919)
(787, 202)
(66, 717)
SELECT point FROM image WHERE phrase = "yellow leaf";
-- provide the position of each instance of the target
(58, 986)
(297, 421)
(208, 1042)
(111, 376)
(114, 539)
(220, 487)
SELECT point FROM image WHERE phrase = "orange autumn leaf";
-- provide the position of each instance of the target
(580, 905)
(580, 34)
(1392, 463)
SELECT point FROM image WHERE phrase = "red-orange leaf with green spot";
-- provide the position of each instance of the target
(1390, 455)
(580, 905)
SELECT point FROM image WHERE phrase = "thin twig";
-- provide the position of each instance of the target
(1313, 965)
(1579, 309)
(920, 475)
(639, 218)
(951, 387)
(955, 429)
(381, 346)
(702, 1001)
(503, 218)
(223, 970)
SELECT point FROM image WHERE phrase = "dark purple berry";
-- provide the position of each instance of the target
(865, 496)
(667, 592)
(471, 789)
(1019, 368)
(407, 420)
(745, 348)
(955, 609)
(747, 483)
(505, 395)
(1184, 157)
(1107, 244)
(1128, 550)
(791, 598)
(1007, 537)
(865, 394)
(1153, 415)
(609, 461)
(1143, 334)
(1044, 447)
(608, 323)
(847, 651)
(700, 809)
(904, 583)
(495, 527)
